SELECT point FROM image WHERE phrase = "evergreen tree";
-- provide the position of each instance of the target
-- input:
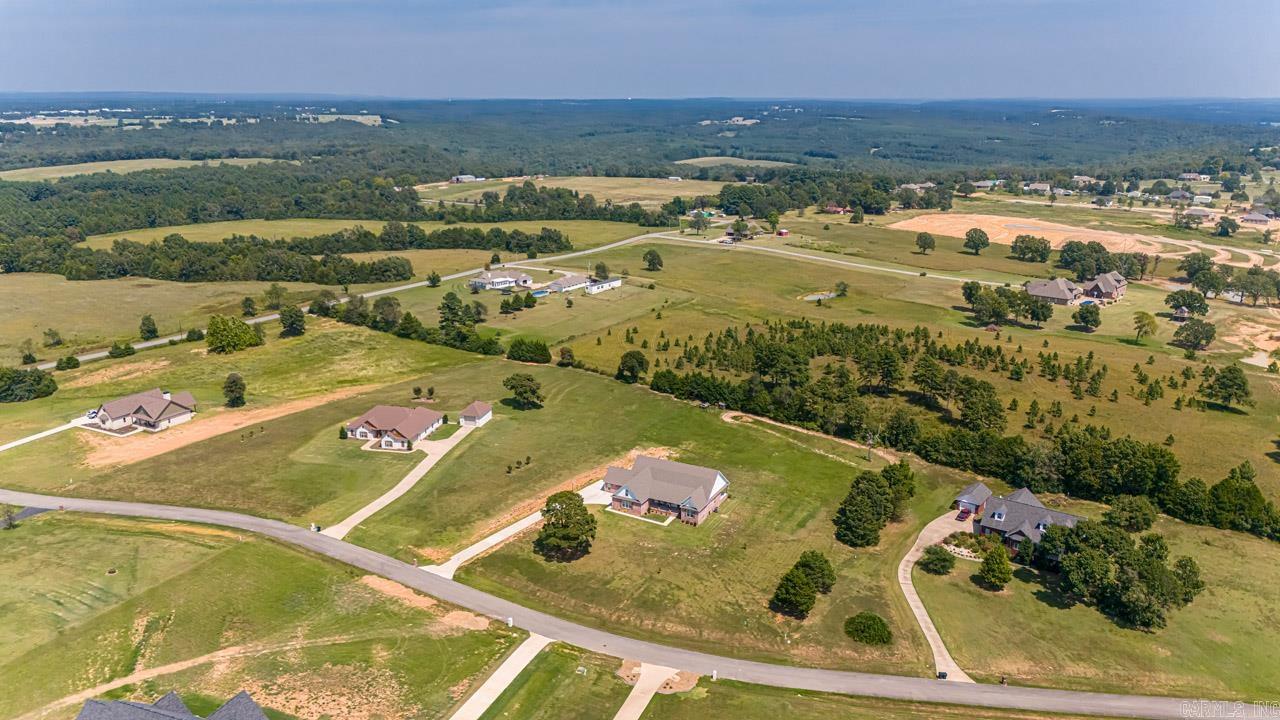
(795, 594)
(996, 572)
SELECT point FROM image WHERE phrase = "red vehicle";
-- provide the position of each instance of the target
(964, 515)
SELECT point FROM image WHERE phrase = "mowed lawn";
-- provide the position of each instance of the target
(316, 637)
(582, 233)
(1225, 644)
(55, 172)
(704, 587)
(562, 683)
(741, 701)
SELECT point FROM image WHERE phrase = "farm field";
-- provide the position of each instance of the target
(56, 172)
(1221, 645)
(782, 498)
(714, 160)
(289, 625)
(649, 192)
(582, 233)
(562, 683)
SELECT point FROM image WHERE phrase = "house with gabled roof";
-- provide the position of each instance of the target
(1015, 517)
(395, 428)
(476, 414)
(1255, 218)
(501, 280)
(1180, 196)
(152, 410)
(1059, 291)
(568, 283)
(1107, 286)
(169, 707)
(973, 498)
(686, 492)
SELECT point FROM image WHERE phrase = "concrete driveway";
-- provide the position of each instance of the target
(932, 534)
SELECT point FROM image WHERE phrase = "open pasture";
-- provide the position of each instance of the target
(56, 172)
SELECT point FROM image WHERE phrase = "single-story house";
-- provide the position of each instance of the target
(1202, 199)
(1083, 180)
(1254, 217)
(456, 179)
(395, 428)
(834, 209)
(1017, 517)
(1263, 209)
(1182, 314)
(1063, 192)
(917, 186)
(501, 279)
(1107, 286)
(1180, 196)
(783, 232)
(169, 707)
(599, 286)
(1059, 291)
(1194, 177)
(568, 283)
(153, 410)
(973, 498)
(987, 184)
(1039, 187)
(1198, 212)
(476, 414)
(688, 493)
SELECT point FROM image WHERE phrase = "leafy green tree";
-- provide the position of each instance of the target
(1209, 283)
(868, 628)
(842, 289)
(996, 572)
(925, 242)
(970, 290)
(1088, 316)
(699, 223)
(410, 327)
(52, 338)
(601, 271)
(966, 188)
(1031, 248)
(1189, 299)
(386, 314)
(1229, 386)
(433, 279)
(1131, 513)
(293, 322)
(525, 389)
(975, 240)
(1196, 263)
(795, 595)
(248, 307)
(117, 350)
(990, 307)
(632, 366)
(652, 260)
(1226, 227)
(20, 385)
(864, 510)
(1039, 311)
(147, 328)
(936, 560)
(566, 357)
(901, 480)
(1195, 334)
(568, 529)
(1144, 324)
(228, 334)
(233, 389)
(818, 569)
(773, 219)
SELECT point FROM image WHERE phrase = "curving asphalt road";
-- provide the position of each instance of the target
(600, 641)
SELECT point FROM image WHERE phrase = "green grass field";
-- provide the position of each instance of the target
(320, 638)
(649, 192)
(1224, 644)
(562, 683)
(55, 172)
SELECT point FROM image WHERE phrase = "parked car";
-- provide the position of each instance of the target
(964, 515)
(91, 414)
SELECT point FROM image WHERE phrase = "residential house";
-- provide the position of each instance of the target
(783, 232)
(501, 280)
(395, 428)
(1180, 196)
(1199, 212)
(1193, 177)
(1083, 180)
(1017, 517)
(1255, 218)
(476, 414)
(1182, 314)
(1107, 286)
(1202, 199)
(918, 187)
(598, 286)
(1263, 209)
(152, 410)
(457, 179)
(1042, 188)
(688, 493)
(987, 184)
(169, 707)
(833, 209)
(1063, 192)
(973, 498)
(1059, 291)
(568, 283)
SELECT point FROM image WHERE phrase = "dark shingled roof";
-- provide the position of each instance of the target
(975, 494)
(169, 707)
(1020, 515)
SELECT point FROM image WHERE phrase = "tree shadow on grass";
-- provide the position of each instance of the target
(1230, 409)
(1274, 455)
(1132, 342)
(1050, 591)
(513, 405)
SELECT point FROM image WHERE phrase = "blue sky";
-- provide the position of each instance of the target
(655, 48)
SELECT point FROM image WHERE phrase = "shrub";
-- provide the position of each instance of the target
(996, 572)
(818, 568)
(795, 594)
(868, 627)
(1132, 513)
(525, 350)
(936, 560)
(21, 385)
(195, 335)
(119, 350)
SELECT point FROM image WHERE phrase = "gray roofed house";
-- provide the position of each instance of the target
(1020, 516)
(153, 409)
(652, 485)
(1198, 212)
(568, 283)
(500, 279)
(1180, 195)
(1039, 187)
(1059, 291)
(1255, 217)
(169, 707)
(973, 498)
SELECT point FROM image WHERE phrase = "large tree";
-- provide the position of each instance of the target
(925, 242)
(864, 511)
(293, 322)
(147, 328)
(1144, 324)
(233, 389)
(1189, 299)
(1088, 316)
(567, 528)
(996, 572)
(632, 366)
(795, 594)
(1229, 386)
(525, 390)
(975, 239)
(652, 260)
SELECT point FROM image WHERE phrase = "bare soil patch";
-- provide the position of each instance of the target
(464, 620)
(682, 681)
(403, 593)
(1003, 229)
(105, 450)
(127, 371)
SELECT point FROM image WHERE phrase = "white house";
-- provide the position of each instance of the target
(1202, 199)
(395, 428)
(568, 283)
(500, 279)
(599, 286)
(476, 414)
(152, 410)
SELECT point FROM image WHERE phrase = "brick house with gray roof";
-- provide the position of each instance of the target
(1016, 517)
(169, 707)
(1059, 291)
(688, 493)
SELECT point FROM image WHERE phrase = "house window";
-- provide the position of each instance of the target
(1042, 526)
(997, 516)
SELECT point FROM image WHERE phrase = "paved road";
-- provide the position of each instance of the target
(932, 533)
(600, 641)
(157, 342)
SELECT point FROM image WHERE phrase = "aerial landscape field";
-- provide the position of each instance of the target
(563, 361)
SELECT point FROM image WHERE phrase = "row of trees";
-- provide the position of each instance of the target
(456, 327)
(20, 385)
